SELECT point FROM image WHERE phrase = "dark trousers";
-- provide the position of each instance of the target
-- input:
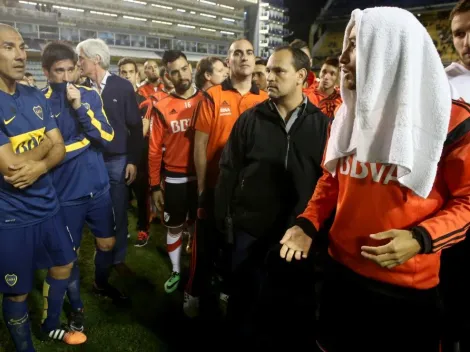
(116, 167)
(271, 301)
(358, 314)
(454, 287)
(141, 189)
(206, 246)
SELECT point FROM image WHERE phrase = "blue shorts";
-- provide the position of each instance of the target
(24, 250)
(97, 213)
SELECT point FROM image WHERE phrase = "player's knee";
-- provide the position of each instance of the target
(61, 272)
(175, 231)
(105, 244)
(16, 298)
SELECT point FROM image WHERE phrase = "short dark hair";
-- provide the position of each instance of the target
(170, 56)
(300, 60)
(332, 61)
(126, 61)
(28, 74)
(461, 7)
(57, 51)
(205, 65)
(298, 44)
(261, 62)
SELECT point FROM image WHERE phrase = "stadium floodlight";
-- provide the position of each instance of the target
(135, 18)
(162, 22)
(207, 15)
(136, 2)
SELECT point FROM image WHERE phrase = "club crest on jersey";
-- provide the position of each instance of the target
(11, 279)
(86, 105)
(38, 111)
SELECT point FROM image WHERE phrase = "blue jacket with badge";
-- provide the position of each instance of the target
(86, 131)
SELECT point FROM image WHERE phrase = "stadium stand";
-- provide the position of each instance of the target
(433, 14)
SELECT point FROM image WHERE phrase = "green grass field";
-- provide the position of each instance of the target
(155, 321)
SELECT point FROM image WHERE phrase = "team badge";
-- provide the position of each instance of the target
(38, 111)
(86, 105)
(166, 216)
(11, 279)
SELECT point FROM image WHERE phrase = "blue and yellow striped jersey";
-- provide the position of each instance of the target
(25, 118)
(86, 131)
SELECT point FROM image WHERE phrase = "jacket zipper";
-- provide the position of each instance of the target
(287, 152)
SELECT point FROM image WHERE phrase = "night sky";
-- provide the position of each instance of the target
(302, 15)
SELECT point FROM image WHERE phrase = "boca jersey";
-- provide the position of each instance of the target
(170, 128)
(25, 118)
(86, 132)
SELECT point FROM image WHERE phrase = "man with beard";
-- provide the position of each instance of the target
(151, 86)
(397, 171)
(171, 128)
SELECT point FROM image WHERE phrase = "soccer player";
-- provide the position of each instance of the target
(260, 75)
(171, 128)
(33, 232)
(210, 71)
(152, 82)
(81, 179)
(380, 291)
(326, 96)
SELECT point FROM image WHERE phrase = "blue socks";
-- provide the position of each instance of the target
(54, 293)
(73, 289)
(17, 321)
(103, 263)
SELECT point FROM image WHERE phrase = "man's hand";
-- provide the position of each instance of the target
(73, 96)
(158, 200)
(25, 174)
(400, 249)
(131, 173)
(295, 243)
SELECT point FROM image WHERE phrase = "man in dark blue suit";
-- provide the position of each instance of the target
(123, 153)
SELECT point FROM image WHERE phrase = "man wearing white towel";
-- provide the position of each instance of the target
(397, 170)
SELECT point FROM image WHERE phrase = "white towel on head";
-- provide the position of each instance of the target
(399, 113)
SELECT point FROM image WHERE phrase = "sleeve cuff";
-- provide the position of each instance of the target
(81, 111)
(424, 239)
(306, 226)
(155, 188)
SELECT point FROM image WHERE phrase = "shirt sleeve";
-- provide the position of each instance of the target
(49, 121)
(157, 128)
(3, 137)
(204, 116)
(449, 225)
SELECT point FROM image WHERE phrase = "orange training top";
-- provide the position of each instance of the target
(368, 200)
(216, 116)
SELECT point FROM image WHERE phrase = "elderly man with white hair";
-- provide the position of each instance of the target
(123, 153)
(397, 171)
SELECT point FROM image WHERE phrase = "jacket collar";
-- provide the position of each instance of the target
(227, 85)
